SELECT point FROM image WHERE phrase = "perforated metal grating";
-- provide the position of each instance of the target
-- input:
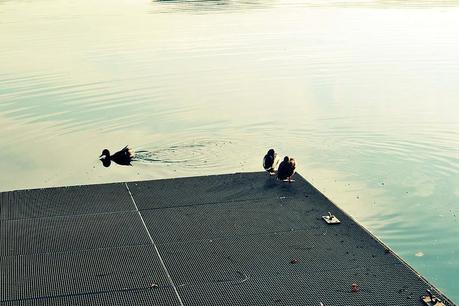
(151, 296)
(237, 239)
(212, 189)
(62, 201)
(67, 233)
(80, 272)
(378, 287)
(234, 219)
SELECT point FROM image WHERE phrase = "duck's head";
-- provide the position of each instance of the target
(105, 154)
(286, 159)
(105, 158)
(271, 152)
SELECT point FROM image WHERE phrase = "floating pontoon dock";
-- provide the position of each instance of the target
(236, 239)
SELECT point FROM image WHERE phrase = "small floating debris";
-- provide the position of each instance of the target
(154, 285)
(294, 261)
(419, 254)
(431, 300)
(355, 287)
(331, 219)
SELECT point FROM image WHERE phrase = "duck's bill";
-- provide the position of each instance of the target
(102, 157)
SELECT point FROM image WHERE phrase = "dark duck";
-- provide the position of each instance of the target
(122, 157)
(286, 169)
(270, 162)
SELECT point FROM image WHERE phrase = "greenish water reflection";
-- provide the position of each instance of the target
(363, 94)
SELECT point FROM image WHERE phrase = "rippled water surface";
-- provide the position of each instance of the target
(364, 94)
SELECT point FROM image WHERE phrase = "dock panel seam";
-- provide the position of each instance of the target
(156, 248)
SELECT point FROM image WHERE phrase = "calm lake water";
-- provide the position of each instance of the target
(364, 94)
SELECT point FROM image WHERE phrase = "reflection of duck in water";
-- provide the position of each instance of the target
(270, 162)
(286, 169)
(122, 157)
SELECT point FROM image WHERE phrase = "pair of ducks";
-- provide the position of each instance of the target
(286, 168)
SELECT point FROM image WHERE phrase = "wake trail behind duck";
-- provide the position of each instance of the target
(189, 155)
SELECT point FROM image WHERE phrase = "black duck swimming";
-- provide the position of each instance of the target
(122, 157)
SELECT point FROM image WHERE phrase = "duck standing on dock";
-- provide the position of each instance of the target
(122, 157)
(270, 162)
(286, 169)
